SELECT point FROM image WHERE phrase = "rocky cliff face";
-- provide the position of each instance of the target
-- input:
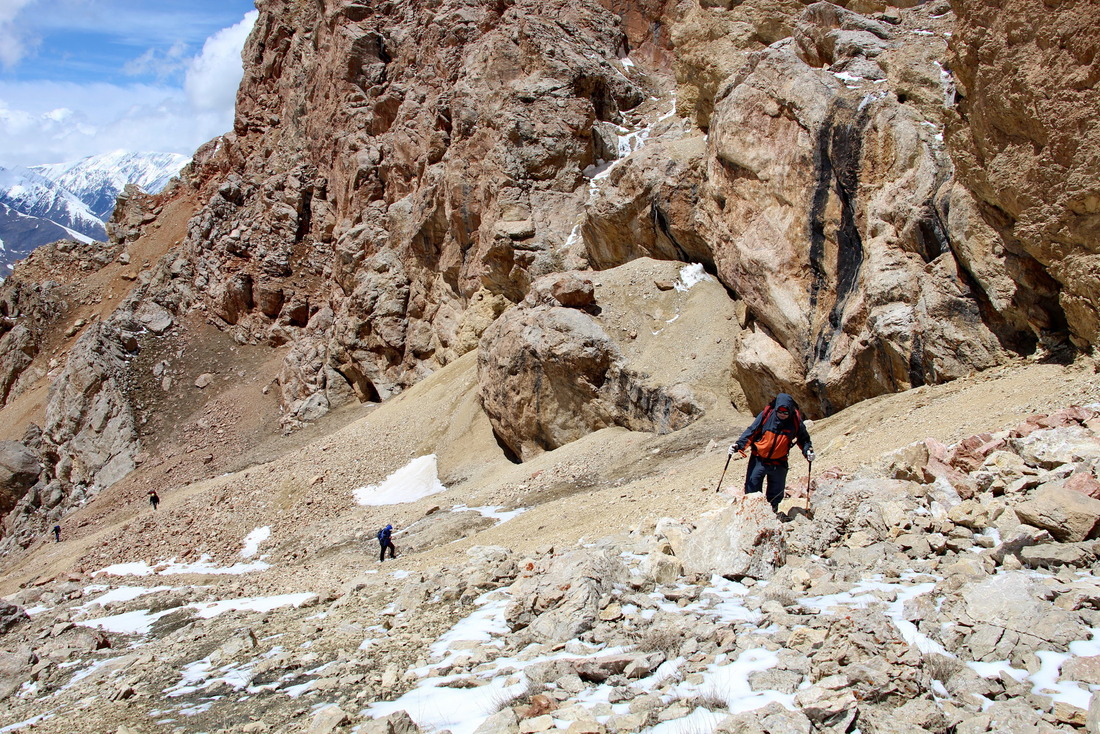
(1023, 137)
(804, 163)
(798, 152)
(392, 164)
(884, 205)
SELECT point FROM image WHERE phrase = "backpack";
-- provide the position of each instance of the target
(383, 535)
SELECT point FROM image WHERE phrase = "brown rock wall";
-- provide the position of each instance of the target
(391, 160)
(1025, 140)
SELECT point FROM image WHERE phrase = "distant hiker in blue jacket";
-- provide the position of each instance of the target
(770, 437)
(384, 542)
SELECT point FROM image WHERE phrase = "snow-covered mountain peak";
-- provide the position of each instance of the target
(30, 193)
(99, 179)
(40, 204)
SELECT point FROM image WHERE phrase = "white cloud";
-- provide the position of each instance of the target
(215, 74)
(13, 40)
(52, 122)
(160, 64)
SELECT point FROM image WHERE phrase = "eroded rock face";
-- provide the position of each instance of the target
(90, 423)
(1025, 145)
(825, 204)
(462, 146)
(803, 162)
(27, 309)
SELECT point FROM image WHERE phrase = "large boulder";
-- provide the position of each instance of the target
(1049, 448)
(541, 371)
(743, 539)
(11, 615)
(1069, 516)
(549, 374)
(1014, 601)
(19, 470)
(14, 670)
(559, 598)
(878, 508)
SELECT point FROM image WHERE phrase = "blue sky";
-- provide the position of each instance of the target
(79, 77)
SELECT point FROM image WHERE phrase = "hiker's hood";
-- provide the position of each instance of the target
(773, 422)
(783, 400)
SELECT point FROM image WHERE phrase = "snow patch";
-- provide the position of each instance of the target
(416, 480)
(121, 594)
(29, 722)
(252, 541)
(691, 275)
(140, 622)
(850, 80)
(171, 567)
(207, 610)
(494, 512)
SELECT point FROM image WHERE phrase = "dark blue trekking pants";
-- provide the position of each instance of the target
(776, 473)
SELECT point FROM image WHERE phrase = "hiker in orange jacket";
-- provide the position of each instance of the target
(769, 438)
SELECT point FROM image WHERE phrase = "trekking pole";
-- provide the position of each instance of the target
(809, 471)
(729, 457)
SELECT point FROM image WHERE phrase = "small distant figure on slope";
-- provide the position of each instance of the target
(770, 437)
(384, 542)
(57, 533)
(154, 500)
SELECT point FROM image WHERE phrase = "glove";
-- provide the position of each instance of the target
(736, 449)
(732, 451)
(809, 454)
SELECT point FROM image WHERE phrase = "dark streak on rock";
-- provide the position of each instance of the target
(837, 160)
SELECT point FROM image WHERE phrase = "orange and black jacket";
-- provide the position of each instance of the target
(770, 437)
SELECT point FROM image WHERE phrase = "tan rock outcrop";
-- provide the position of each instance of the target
(1024, 141)
(823, 208)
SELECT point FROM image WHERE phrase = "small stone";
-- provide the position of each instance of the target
(537, 724)
(611, 612)
(1069, 714)
(326, 720)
